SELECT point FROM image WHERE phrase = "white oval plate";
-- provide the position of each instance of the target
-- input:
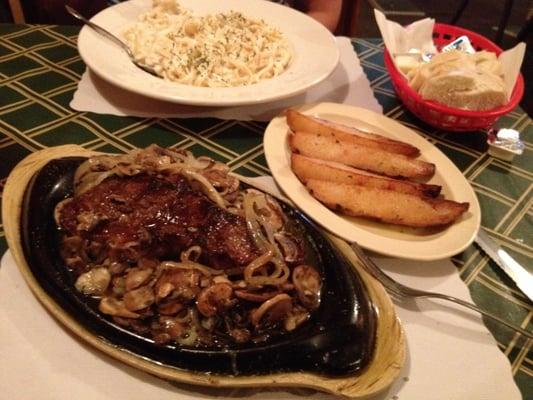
(315, 54)
(382, 238)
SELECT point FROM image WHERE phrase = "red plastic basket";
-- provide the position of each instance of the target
(439, 115)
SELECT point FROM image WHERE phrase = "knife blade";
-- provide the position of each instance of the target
(521, 276)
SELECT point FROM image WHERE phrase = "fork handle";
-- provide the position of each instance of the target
(100, 30)
(403, 291)
(475, 308)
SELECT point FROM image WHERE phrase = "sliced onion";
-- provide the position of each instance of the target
(90, 180)
(191, 265)
(252, 222)
(57, 210)
(291, 249)
(207, 188)
(152, 160)
(279, 276)
(262, 233)
(192, 252)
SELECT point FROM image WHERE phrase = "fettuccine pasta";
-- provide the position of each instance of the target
(217, 50)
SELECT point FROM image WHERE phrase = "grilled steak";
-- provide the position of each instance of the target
(154, 217)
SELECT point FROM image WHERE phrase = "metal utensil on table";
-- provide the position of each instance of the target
(522, 277)
(401, 291)
(111, 37)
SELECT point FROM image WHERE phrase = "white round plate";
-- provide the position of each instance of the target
(315, 54)
(403, 242)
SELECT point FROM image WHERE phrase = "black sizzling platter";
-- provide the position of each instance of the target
(338, 339)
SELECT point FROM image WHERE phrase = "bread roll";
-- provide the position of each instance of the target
(466, 89)
(461, 80)
(487, 62)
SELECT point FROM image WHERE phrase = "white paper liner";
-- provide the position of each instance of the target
(511, 61)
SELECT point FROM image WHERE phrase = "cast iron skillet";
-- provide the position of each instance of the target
(338, 339)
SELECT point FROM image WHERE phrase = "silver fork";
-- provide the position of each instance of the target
(113, 38)
(401, 291)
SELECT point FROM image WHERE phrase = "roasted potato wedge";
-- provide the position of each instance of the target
(327, 147)
(385, 205)
(301, 122)
(307, 168)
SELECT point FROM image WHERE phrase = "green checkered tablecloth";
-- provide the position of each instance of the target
(40, 69)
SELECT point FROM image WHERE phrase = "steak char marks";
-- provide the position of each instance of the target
(155, 217)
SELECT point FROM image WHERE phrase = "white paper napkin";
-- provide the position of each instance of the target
(511, 61)
(347, 84)
(399, 39)
(450, 356)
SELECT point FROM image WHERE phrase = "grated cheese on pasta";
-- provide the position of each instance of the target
(217, 50)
